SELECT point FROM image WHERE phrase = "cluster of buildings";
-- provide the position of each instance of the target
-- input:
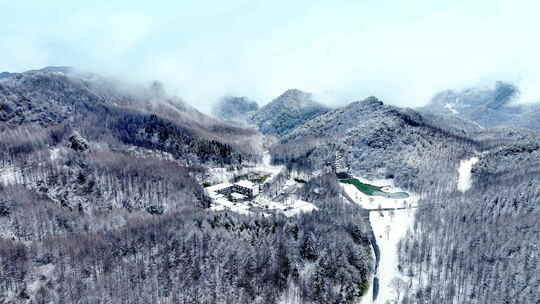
(239, 191)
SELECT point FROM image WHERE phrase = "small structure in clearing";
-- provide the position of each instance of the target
(239, 191)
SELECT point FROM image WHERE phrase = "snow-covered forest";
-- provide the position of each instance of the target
(106, 205)
(104, 199)
(269, 152)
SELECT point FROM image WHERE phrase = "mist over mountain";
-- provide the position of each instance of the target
(235, 109)
(493, 107)
(51, 117)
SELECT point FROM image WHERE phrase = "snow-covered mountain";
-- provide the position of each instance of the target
(489, 107)
(375, 139)
(286, 112)
(102, 181)
(467, 218)
(53, 96)
(46, 114)
(99, 179)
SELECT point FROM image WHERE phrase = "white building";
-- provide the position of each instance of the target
(247, 188)
(224, 188)
(239, 191)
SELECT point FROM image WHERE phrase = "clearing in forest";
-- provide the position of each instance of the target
(367, 189)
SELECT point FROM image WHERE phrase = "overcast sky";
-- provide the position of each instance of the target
(401, 51)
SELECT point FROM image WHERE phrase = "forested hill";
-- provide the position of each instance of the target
(91, 144)
(478, 246)
(369, 138)
(286, 112)
(101, 201)
(97, 106)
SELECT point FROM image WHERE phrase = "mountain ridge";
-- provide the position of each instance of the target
(491, 107)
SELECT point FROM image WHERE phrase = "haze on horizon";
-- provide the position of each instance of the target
(399, 51)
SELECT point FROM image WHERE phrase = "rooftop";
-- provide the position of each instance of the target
(245, 184)
(218, 187)
(238, 195)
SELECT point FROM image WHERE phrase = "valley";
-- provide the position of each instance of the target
(269, 152)
(105, 189)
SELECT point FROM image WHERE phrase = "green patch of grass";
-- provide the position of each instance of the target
(206, 184)
(367, 189)
(364, 286)
(261, 179)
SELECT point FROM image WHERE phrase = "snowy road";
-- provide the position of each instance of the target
(388, 226)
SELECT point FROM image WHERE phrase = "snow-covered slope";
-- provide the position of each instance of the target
(465, 174)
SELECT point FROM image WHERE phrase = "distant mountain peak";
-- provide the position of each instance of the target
(295, 93)
(295, 99)
(287, 111)
(489, 107)
(373, 100)
(503, 94)
(5, 75)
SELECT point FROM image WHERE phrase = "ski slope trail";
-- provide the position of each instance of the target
(389, 227)
(465, 173)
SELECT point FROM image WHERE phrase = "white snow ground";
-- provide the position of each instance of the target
(54, 153)
(450, 107)
(464, 170)
(290, 207)
(220, 203)
(389, 227)
(222, 175)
